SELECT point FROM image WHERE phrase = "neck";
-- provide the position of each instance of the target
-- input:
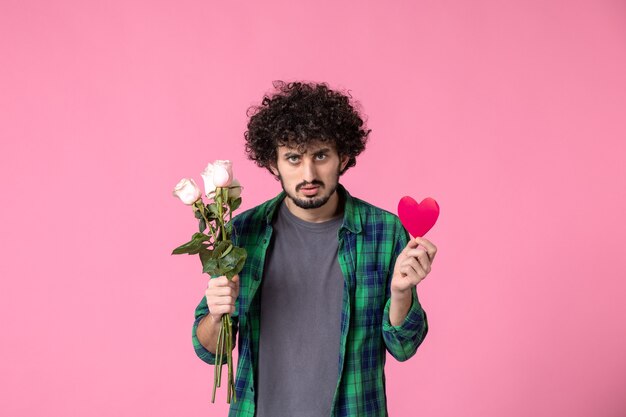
(331, 209)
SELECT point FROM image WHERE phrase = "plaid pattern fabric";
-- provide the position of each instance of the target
(370, 239)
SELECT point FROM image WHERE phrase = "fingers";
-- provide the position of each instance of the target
(409, 274)
(422, 256)
(431, 249)
(221, 291)
(218, 311)
(225, 300)
(412, 244)
(412, 267)
(222, 281)
(221, 295)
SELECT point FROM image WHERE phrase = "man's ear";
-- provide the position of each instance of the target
(272, 167)
(344, 162)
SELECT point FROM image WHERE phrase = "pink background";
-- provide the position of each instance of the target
(510, 114)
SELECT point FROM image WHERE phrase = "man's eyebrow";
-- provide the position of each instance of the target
(323, 150)
(289, 154)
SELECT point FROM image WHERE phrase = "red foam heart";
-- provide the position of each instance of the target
(418, 218)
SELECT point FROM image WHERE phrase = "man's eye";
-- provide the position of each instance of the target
(321, 157)
(293, 159)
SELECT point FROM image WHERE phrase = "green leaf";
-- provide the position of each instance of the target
(237, 268)
(198, 215)
(204, 255)
(222, 248)
(241, 257)
(213, 210)
(210, 266)
(234, 205)
(229, 228)
(227, 251)
(231, 260)
(201, 225)
(210, 215)
(194, 246)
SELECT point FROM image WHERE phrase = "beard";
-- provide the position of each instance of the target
(311, 202)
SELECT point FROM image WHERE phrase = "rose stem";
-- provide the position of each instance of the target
(215, 374)
(220, 351)
(230, 354)
(228, 351)
(206, 222)
(230, 363)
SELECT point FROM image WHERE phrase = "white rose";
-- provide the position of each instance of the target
(187, 191)
(222, 173)
(207, 177)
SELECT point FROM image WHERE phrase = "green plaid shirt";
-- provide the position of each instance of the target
(370, 239)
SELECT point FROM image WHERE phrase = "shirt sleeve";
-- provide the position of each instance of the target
(403, 340)
(202, 310)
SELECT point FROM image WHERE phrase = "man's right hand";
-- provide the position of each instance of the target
(221, 295)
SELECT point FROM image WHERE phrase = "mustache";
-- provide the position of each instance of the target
(304, 184)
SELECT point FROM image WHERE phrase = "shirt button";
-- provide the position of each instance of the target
(252, 389)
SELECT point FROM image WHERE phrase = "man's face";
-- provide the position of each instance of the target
(309, 178)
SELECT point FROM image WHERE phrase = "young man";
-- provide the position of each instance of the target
(329, 283)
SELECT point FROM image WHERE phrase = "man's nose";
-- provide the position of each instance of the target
(310, 171)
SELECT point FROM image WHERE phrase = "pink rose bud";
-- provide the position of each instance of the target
(222, 173)
(187, 191)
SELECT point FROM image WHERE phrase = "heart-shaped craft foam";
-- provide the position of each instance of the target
(418, 218)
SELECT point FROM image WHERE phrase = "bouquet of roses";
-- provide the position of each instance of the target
(216, 250)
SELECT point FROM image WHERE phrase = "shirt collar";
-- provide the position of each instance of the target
(351, 215)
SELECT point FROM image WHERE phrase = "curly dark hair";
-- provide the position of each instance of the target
(299, 113)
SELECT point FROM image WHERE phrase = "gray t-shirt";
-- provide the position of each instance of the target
(301, 305)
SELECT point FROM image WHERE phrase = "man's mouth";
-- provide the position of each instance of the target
(309, 190)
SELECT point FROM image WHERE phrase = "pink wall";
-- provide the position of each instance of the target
(510, 114)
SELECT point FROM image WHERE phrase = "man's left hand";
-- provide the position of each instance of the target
(412, 265)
